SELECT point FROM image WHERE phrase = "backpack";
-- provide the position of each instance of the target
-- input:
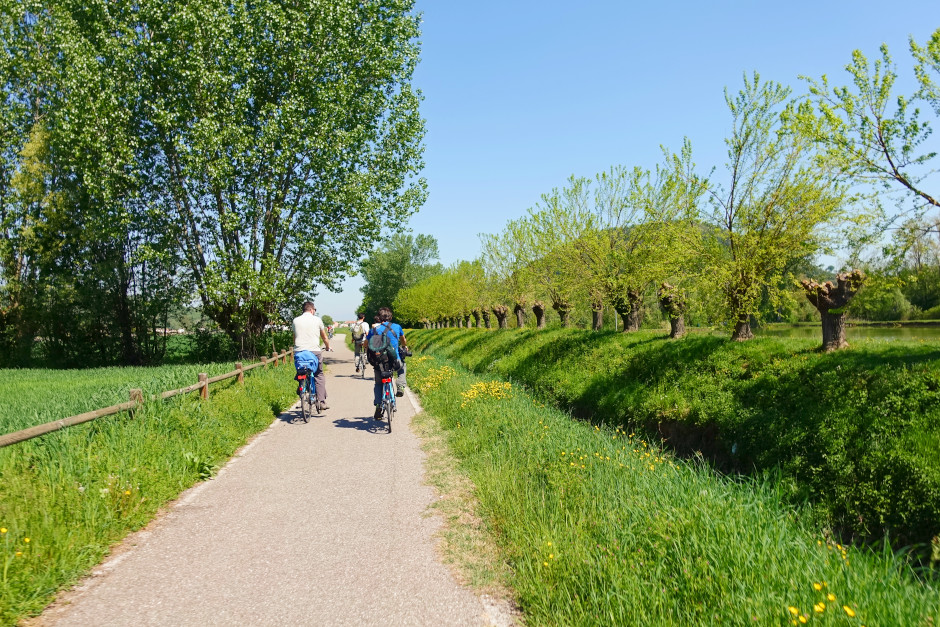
(380, 351)
(357, 332)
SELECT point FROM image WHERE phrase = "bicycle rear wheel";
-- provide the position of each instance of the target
(389, 411)
(305, 404)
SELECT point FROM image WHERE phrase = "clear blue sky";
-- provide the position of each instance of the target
(521, 94)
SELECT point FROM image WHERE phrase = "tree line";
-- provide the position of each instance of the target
(230, 156)
(829, 170)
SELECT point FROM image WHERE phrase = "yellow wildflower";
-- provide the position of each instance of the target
(831, 597)
(803, 619)
(26, 540)
(817, 586)
(3, 529)
(848, 610)
(820, 607)
(794, 610)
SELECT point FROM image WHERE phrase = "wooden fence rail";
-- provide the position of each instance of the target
(137, 398)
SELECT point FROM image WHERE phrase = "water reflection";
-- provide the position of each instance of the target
(931, 333)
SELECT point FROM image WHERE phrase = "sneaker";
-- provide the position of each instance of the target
(400, 391)
(378, 412)
(357, 368)
(324, 406)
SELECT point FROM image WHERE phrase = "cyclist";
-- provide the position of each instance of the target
(396, 337)
(308, 331)
(359, 331)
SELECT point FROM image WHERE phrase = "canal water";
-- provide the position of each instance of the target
(907, 332)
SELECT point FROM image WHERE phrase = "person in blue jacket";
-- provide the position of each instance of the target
(396, 337)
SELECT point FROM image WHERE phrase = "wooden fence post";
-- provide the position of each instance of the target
(241, 372)
(204, 390)
(136, 396)
(276, 360)
(264, 361)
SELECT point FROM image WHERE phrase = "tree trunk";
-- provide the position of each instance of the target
(831, 302)
(538, 308)
(742, 329)
(519, 310)
(833, 330)
(466, 320)
(486, 318)
(501, 312)
(597, 317)
(476, 318)
(460, 322)
(630, 308)
(672, 302)
(564, 312)
(678, 327)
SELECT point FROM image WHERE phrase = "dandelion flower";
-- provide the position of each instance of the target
(803, 619)
(848, 610)
(127, 491)
(3, 529)
(26, 540)
(820, 607)
(18, 553)
(793, 610)
(544, 563)
(817, 586)
(831, 597)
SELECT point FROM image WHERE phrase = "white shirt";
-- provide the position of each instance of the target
(307, 329)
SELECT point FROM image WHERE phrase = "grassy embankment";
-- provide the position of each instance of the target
(66, 497)
(854, 432)
(600, 527)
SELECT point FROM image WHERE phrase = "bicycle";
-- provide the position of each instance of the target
(361, 360)
(389, 407)
(307, 391)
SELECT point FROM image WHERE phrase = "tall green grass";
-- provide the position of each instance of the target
(74, 493)
(30, 397)
(855, 432)
(601, 527)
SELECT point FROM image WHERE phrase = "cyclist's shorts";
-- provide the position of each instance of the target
(306, 359)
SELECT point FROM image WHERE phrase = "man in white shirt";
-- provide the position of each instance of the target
(359, 331)
(308, 331)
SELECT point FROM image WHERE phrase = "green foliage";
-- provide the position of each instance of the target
(76, 492)
(402, 262)
(870, 131)
(601, 528)
(241, 151)
(850, 429)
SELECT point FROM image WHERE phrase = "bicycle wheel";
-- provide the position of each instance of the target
(389, 411)
(305, 404)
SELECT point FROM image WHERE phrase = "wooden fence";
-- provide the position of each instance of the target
(137, 397)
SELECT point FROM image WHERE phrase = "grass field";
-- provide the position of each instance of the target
(29, 397)
(601, 527)
(66, 497)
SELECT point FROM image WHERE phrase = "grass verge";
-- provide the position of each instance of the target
(67, 497)
(598, 526)
(854, 432)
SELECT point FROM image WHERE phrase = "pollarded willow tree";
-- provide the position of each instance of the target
(771, 209)
(504, 258)
(555, 233)
(626, 251)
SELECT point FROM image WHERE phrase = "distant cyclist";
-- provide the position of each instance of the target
(396, 337)
(308, 331)
(359, 331)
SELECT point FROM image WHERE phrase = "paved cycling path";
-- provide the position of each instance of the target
(323, 523)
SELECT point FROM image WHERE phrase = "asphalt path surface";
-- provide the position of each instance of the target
(323, 523)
